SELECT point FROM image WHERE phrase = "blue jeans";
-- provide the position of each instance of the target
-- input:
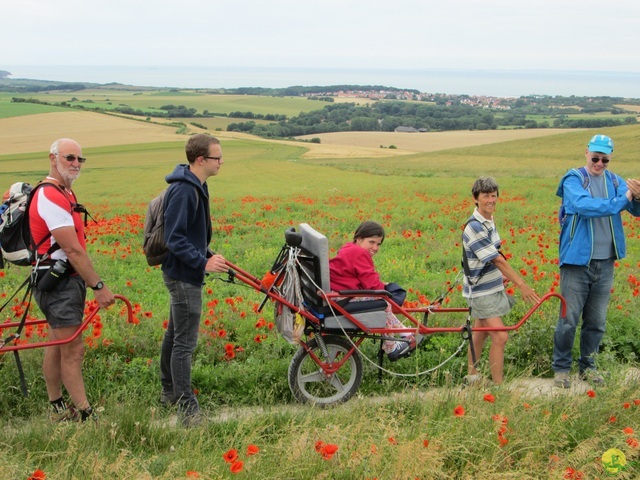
(587, 291)
(179, 343)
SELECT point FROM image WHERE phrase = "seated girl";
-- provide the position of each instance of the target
(353, 269)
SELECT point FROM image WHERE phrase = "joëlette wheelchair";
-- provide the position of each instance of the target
(327, 369)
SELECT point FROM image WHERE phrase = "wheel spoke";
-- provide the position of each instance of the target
(312, 377)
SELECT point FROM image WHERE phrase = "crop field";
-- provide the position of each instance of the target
(408, 425)
(152, 100)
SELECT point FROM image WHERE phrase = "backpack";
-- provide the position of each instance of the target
(16, 244)
(154, 246)
(155, 249)
(586, 180)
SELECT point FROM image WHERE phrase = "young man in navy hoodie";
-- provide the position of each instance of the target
(187, 233)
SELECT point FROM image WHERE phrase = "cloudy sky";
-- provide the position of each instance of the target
(467, 34)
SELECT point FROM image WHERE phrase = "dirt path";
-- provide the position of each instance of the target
(524, 389)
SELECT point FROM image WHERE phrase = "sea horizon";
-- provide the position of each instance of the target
(473, 82)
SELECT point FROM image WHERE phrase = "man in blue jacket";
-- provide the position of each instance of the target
(187, 233)
(591, 239)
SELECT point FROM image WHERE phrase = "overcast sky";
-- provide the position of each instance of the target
(466, 34)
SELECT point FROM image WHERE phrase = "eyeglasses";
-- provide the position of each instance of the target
(214, 158)
(597, 159)
(73, 158)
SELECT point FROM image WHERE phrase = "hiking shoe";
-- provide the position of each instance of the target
(562, 380)
(192, 420)
(472, 379)
(67, 414)
(167, 399)
(593, 377)
(403, 349)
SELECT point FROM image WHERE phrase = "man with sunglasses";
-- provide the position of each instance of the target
(187, 233)
(57, 226)
(591, 240)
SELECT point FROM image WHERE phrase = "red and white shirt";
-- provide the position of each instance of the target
(51, 209)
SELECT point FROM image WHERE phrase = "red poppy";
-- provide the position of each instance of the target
(489, 398)
(591, 394)
(236, 467)
(633, 442)
(425, 443)
(319, 445)
(193, 474)
(459, 411)
(230, 456)
(328, 451)
(38, 475)
(626, 405)
(393, 441)
(628, 430)
(636, 401)
(252, 450)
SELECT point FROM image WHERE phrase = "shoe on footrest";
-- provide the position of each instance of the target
(403, 349)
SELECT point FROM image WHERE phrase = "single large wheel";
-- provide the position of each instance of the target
(309, 383)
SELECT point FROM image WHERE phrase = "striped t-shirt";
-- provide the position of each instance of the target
(481, 243)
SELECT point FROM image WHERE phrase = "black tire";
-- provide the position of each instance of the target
(309, 383)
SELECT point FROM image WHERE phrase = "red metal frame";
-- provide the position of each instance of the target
(90, 316)
(418, 327)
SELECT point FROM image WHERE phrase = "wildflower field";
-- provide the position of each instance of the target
(410, 424)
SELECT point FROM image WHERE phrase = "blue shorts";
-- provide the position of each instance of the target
(64, 305)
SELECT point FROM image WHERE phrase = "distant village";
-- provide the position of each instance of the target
(501, 103)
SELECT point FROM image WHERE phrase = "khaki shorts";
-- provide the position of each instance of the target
(493, 305)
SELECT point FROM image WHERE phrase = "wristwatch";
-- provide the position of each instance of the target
(99, 285)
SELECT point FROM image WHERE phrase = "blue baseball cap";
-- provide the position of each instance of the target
(601, 144)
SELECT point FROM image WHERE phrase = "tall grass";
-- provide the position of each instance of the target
(262, 189)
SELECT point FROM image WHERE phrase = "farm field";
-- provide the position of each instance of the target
(411, 426)
(154, 99)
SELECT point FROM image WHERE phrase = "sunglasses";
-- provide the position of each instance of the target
(597, 159)
(73, 158)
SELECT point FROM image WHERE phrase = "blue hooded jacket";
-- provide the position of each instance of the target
(576, 234)
(187, 226)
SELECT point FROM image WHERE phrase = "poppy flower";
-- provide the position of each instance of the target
(628, 430)
(626, 405)
(591, 394)
(632, 442)
(319, 445)
(193, 474)
(489, 398)
(459, 411)
(393, 441)
(236, 467)
(230, 456)
(328, 451)
(252, 450)
(38, 475)
(425, 443)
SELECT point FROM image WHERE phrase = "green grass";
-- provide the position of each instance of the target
(152, 100)
(262, 189)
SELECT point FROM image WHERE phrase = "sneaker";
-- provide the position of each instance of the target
(593, 377)
(192, 420)
(562, 380)
(167, 399)
(472, 379)
(67, 414)
(403, 349)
